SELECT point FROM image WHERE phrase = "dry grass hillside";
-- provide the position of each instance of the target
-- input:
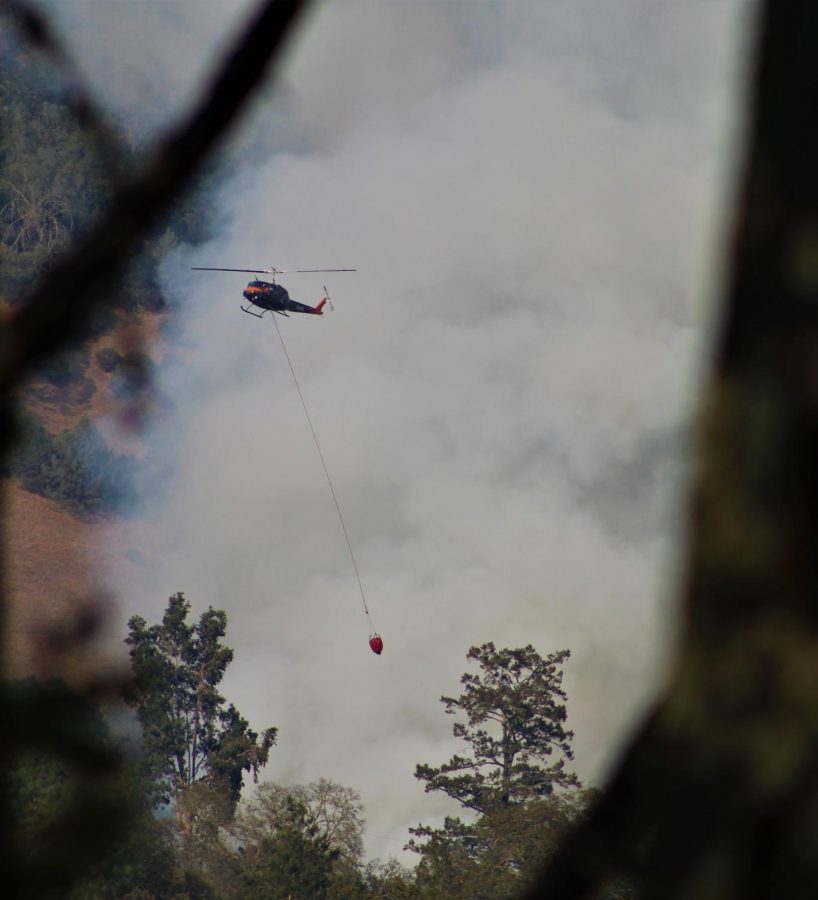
(56, 562)
(63, 408)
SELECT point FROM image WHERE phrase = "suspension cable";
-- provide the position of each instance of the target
(326, 472)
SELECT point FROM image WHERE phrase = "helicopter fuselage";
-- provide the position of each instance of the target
(273, 297)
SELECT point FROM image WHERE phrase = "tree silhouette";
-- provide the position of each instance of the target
(717, 793)
(59, 309)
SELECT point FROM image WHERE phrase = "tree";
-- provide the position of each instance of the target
(333, 809)
(515, 714)
(502, 853)
(389, 881)
(78, 791)
(189, 732)
(717, 792)
(516, 841)
(50, 189)
(74, 467)
(326, 810)
(295, 860)
(204, 815)
(70, 296)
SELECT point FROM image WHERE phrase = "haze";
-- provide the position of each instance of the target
(533, 195)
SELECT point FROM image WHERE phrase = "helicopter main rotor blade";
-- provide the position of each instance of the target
(269, 271)
(211, 269)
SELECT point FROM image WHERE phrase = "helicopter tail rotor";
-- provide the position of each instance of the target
(326, 297)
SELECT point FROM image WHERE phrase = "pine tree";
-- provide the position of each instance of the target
(515, 715)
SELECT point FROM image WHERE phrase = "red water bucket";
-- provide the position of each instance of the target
(376, 643)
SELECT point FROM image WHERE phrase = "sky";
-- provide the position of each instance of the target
(534, 195)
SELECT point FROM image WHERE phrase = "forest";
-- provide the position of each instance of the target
(194, 821)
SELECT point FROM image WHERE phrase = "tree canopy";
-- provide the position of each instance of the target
(513, 722)
(515, 715)
(335, 810)
(295, 860)
(190, 732)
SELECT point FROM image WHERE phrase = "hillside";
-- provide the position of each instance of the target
(61, 407)
(55, 584)
(80, 415)
(55, 560)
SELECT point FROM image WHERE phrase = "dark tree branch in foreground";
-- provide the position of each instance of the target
(65, 299)
(717, 795)
(57, 311)
(62, 304)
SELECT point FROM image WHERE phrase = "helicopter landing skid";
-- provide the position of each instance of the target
(250, 312)
(258, 315)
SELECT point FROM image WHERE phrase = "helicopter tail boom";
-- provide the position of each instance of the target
(318, 310)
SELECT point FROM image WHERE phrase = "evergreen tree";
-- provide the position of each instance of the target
(190, 733)
(514, 711)
(515, 714)
(296, 860)
(74, 467)
(325, 810)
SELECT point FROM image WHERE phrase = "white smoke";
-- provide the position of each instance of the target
(531, 193)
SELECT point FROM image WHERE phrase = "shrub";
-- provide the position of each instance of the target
(108, 359)
(75, 467)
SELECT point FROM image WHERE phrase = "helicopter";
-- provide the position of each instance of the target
(271, 297)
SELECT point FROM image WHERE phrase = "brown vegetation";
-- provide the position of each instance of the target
(56, 562)
(56, 569)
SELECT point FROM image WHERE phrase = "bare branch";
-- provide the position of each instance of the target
(61, 306)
